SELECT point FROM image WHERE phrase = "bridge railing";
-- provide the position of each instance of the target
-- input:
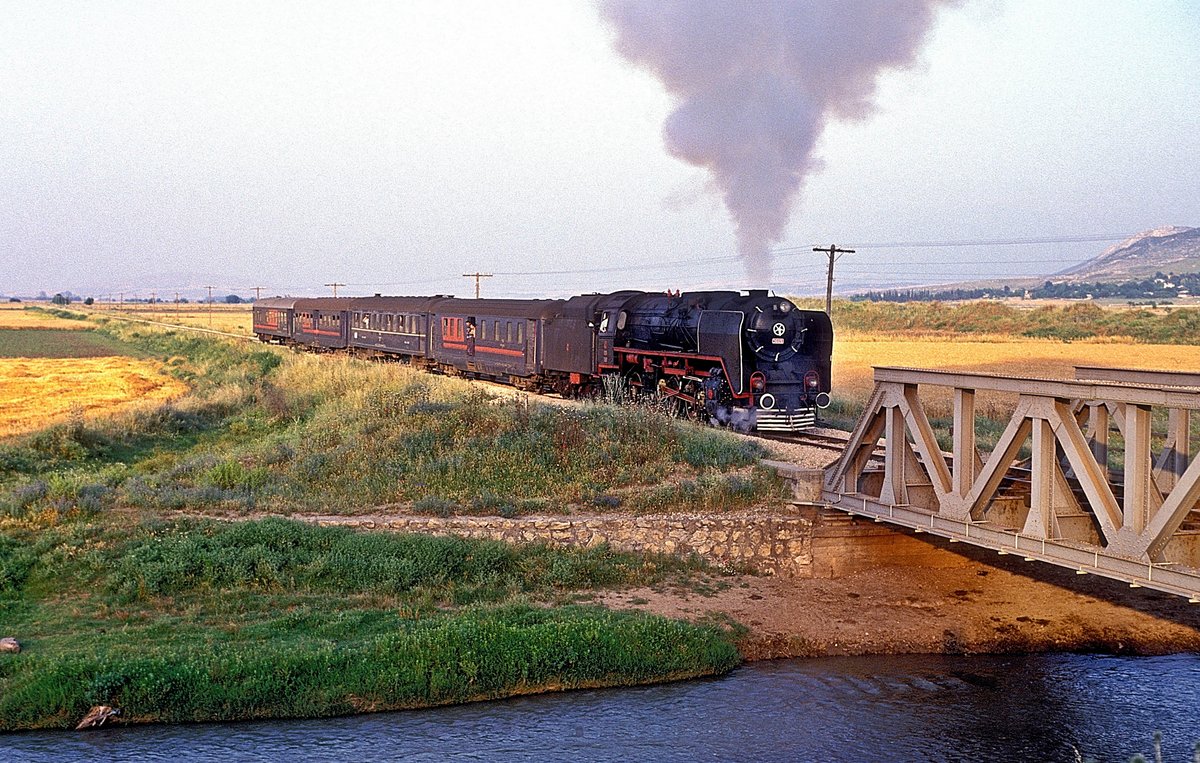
(1135, 521)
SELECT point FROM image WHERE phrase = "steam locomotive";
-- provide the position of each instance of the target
(747, 360)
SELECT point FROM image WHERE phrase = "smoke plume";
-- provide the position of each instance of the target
(755, 83)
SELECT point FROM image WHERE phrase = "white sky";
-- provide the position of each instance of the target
(394, 146)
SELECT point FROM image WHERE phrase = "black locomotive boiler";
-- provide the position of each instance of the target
(749, 360)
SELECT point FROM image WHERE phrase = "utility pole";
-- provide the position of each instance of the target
(335, 286)
(833, 253)
(257, 292)
(210, 288)
(477, 276)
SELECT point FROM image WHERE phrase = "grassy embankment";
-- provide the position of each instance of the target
(276, 431)
(202, 621)
(185, 619)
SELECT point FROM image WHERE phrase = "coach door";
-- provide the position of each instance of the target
(531, 328)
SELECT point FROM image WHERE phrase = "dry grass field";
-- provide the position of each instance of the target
(36, 392)
(855, 355)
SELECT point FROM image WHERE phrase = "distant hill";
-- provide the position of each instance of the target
(1171, 249)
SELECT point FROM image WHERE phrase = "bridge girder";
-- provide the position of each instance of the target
(1074, 512)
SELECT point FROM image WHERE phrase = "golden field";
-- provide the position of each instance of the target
(855, 355)
(36, 392)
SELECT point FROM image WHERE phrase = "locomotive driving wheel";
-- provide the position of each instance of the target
(675, 394)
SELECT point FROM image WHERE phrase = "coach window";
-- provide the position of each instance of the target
(520, 333)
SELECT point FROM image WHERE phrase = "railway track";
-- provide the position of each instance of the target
(808, 439)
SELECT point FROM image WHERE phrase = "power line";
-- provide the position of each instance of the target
(1063, 239)
(792, 250)
(786, 257)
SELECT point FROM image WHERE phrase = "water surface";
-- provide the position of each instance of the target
(928, 708)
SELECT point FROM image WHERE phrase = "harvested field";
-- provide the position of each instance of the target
(36, 392)
(47, 343)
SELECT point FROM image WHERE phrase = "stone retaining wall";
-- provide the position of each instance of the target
(759, 541)
(801, 538)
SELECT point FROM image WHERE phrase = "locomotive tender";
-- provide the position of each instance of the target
(747, 360)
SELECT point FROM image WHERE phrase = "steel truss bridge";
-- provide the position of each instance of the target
(1109, 487)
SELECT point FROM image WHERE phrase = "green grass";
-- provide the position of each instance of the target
(57, 343)
(198, 621)
(269, 430)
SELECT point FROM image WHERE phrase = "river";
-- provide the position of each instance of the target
(928, 708)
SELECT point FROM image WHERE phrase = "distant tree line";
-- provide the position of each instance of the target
(66, 298)
(1157, 288)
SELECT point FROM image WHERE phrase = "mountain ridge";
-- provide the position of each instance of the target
(1166, 249)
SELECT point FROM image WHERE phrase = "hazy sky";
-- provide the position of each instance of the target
(394, 146)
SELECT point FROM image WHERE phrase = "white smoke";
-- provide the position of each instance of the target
(755, 82)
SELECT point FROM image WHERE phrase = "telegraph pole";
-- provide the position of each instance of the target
(257, 292)
(335, 286)
(477, 276)
(210, 288)
(833, 253)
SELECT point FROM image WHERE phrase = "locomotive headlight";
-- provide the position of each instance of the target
(784, 306)
(811, 381)
(758, 381)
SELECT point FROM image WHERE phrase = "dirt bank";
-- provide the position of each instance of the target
(979, 603)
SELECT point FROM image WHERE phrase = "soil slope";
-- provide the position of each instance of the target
(979, 603)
